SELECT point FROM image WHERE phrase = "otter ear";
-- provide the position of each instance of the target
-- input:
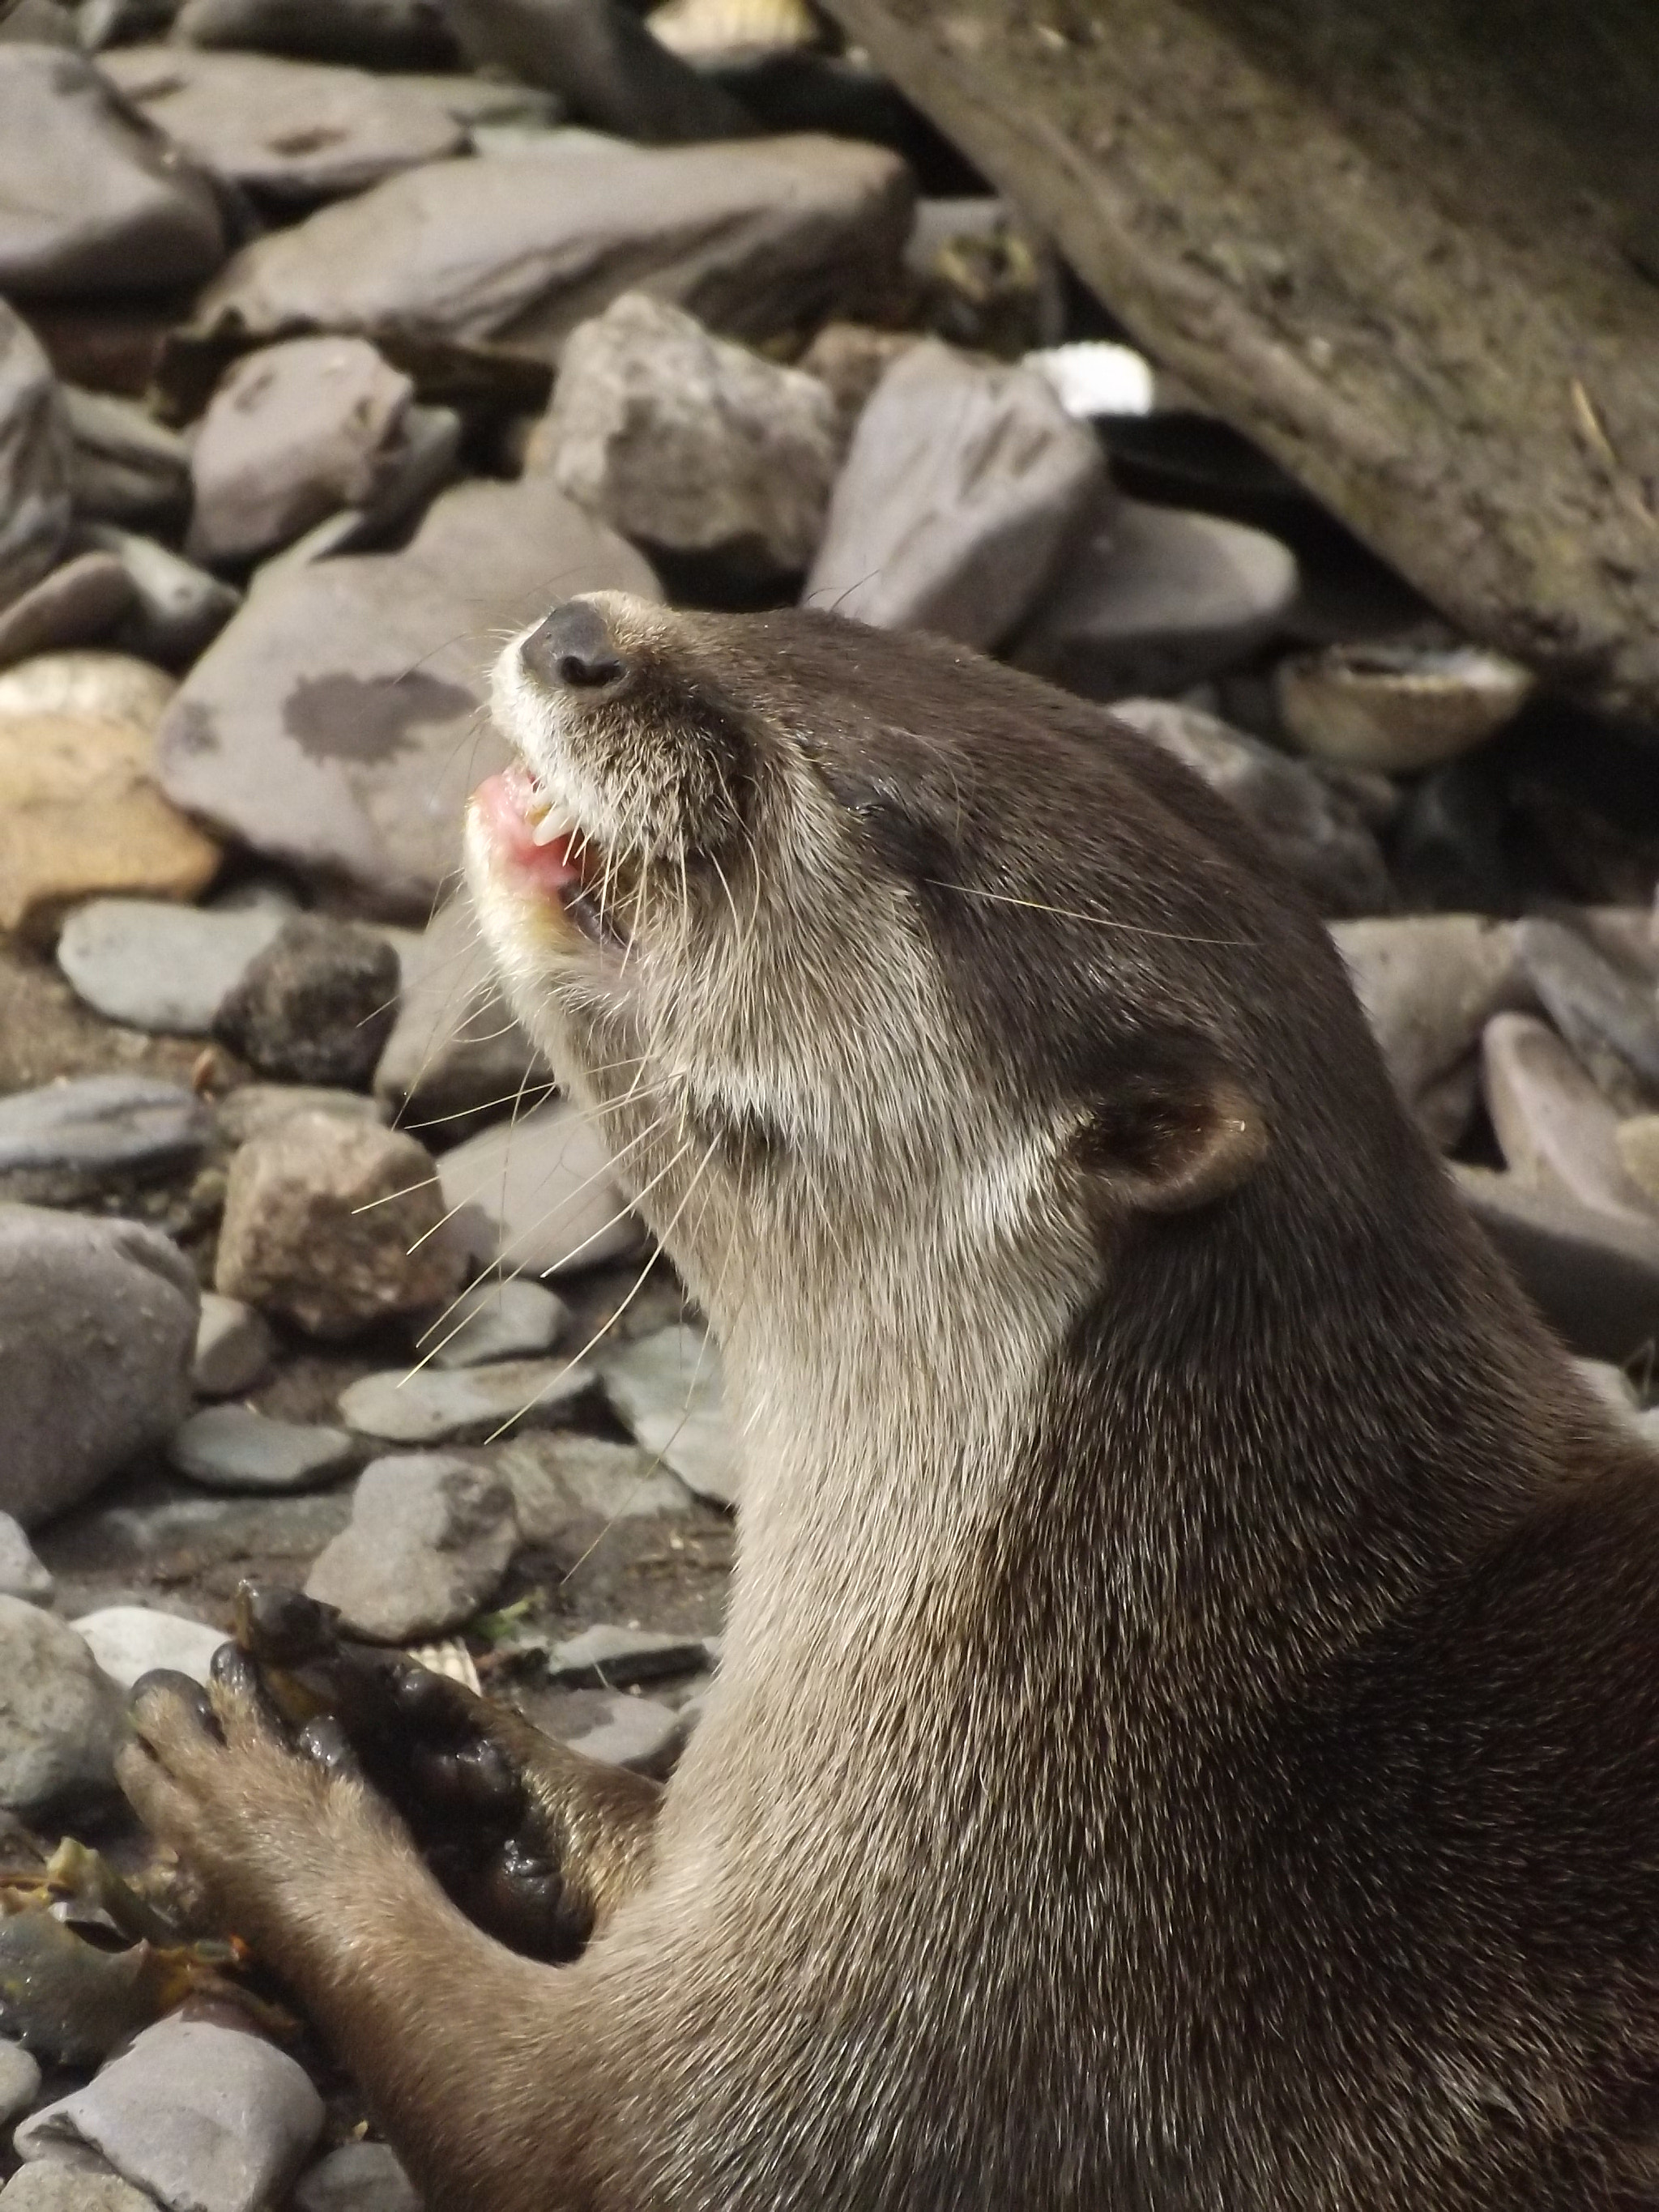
(1170, 1131)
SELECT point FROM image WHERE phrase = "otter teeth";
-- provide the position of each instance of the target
(547, 822)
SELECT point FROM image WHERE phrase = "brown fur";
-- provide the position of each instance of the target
(1189, 1735)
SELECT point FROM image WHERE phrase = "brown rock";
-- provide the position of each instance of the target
(79, 816)
(336, 1225)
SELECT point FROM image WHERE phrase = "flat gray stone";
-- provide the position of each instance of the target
(637, 1733)
(469, 1405)
(76, 605)
(34, 460)
(294, 131)
(1153, 600)
(233, 1448)
(1594, 1276)
(964, 480)
(359, 2177)
(21, 1573)
(125, 466)
(59, 1717)
(498, 1320)
(1312, 828)
(608, 1656)
(536, 1195)
(233, 1348)
(456, 1047)
(99, 1128)
(664, 1389)
(427, 1543)
(129, 1640)
(752, 237)
(334, 724)
(90, 202)
(562, 1478)
(97, 1327)
(160, 967)
(208, 2118)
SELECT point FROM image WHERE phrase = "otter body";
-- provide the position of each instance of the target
(1189, 1729)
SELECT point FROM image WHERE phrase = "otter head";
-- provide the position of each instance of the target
(855, 942)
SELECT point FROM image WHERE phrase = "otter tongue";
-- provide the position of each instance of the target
(500, 802)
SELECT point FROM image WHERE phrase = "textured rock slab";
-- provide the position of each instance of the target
(536, 1196)
(456, 1046)
(162, 967)
(469, 1405)
(211, 2118)
(1312, 826)
(97, 1326)
(963, 482)
(80, 815)
(496, 1321)
(335, 1224)
(753, 238)
(59, 1717)
(234, 1447)
(1153, 599)
(34, 460)
(1592, 1275)
(129, 1640)
(332, 723)
(95, 1129)
(665, 1390)
(685, 442)
(1553, 1126)
(90, 200)
(428, 1542)
(294, 131)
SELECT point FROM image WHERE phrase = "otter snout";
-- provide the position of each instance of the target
(573, 649)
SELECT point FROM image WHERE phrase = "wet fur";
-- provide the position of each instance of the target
(1189, 1724)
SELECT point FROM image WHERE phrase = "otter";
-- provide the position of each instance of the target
(1188, 1733)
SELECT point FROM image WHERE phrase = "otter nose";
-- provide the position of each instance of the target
(573, 647)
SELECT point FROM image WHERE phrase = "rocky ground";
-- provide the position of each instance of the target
(337, 338)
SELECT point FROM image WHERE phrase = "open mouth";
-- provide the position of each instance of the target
(548, 849)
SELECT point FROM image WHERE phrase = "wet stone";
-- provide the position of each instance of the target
(234, 1447)
(233, 1348)
(665, 1390)
(163, 967)
(129, 1640)
(316, 1005)
(469, 1405)
(430, 1539)
(71, 1139)
(495, 1321)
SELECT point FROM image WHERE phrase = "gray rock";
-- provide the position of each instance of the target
(72, 2188)
(536, 1196)
(1429, 984)
(97, 1324)
(336, 1225)
(233, 1348)
(19, 2081)
(159, 967)
(1553, 1126)
(468, 1405)
(1594, 1276)
(125, 466)
(334, 724)
(34, 460)
(359, 2177)
(233, 1448)
(1313, 829)
(562, 1477)
(316, 1005)
(375, 34)
(59, 1717)
(664, 1389)
(293, 432)
(495, 1321)
(259, 1109)
(1153, 599)
(602, 63)
(608, 1656)
(288, 130)
(97, 1129)
(177, 610)
(456, 1047)
(637, 1733)
(690, 444)
(1606, 1017)
(752, 237)
(964, 481)
(90, 202)
(76, 605)
(208, 2118)
(21, 1573)
(430, 1539)
(129, 1640)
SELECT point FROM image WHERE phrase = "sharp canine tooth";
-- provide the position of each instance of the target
(551, 825)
